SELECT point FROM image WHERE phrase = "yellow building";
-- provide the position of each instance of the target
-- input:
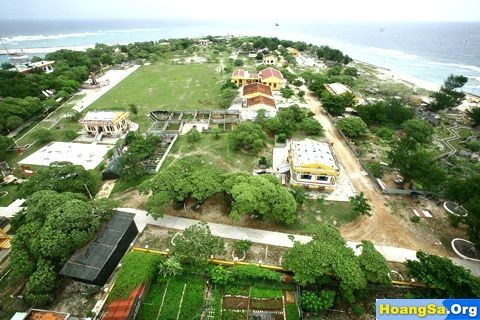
(106, 122)
(242, 77)
(270, 60)
(268, 76)
(294, 52)
(272, 78)
(313, 165)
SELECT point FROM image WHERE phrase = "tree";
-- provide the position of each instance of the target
(474, 115)
(417, 131)
(360, 205)
(325, 253)
(466, 191)
(196, 244)
(13, 122)
(188, 178)
(287, 92)
(43, 135)
(391, 112)
(50, 229)
(312, 127)
(139, 149)
(238, 62)
(352, 127)
(373, 264)
(456, 283)
(336, 104)
(261, 196)
(62, 177)
(419, 165)
(5, 144)
(248, 136)
(448, 96)
(226, 97)
(350, 71)
(193, 135)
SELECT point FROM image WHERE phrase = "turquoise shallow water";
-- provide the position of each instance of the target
(427, 51)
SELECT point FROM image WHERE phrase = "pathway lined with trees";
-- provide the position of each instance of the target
(393, 254)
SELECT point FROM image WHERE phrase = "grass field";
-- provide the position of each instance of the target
(218, 152)
(164, 87)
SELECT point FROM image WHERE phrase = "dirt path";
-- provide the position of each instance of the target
(382, 227)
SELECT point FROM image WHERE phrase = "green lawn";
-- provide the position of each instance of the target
(164, 87)
(11, 195)
(217, 152)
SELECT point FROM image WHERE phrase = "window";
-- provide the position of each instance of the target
(322, 178)
(274, 85)
(306, 177)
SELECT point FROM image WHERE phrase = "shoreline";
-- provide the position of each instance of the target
(389, 75)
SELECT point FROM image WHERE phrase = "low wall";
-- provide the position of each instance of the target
(159, 165)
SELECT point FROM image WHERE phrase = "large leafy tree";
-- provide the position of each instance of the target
(417, 131)
(248, 136)
(336, 104)
(262, 196)
(196, 244)
(389, 112)
(373, 264)
(139, 148)
(50, 229)
(448, 96)
(352, 127)
(325, 253)
(5, 144)
(61, 177)
(448, 279)
(189, 177)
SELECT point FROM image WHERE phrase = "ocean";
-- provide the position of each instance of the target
(428, 52)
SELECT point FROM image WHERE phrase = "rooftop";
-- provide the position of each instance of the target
(102, 115)
(257, 87)
(337, 88)
(120, 309)
(36, 314)
(309, 151)
(271, 72)
(243, 74)
(260, 100)
(87, 262)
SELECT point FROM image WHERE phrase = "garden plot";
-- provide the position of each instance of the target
(174, 298)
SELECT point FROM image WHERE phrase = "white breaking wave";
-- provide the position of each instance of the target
(39, 37)
(49, 49)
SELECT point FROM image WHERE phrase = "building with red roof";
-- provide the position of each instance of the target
(257, 89)
(272, 78)
(124, 309)
(261, 102)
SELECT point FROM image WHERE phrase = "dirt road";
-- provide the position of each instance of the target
(383, 227)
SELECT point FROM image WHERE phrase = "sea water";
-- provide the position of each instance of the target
(426, 51)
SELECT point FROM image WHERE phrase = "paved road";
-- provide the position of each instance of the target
(393, 254)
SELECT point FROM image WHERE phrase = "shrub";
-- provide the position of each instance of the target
(384, 132)
(219, 275)
(473, 145)
(242, 245)
(415, 219)
(357, 310)
(193, 135)
(70, 135)
(253, 273)
(281, 138)
(43, 135)
(353, 127)
(313, 302)
(375, 168)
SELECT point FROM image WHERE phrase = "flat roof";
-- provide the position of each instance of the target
(338, 88)
(86, 155)
(310, 151)
(102, 115)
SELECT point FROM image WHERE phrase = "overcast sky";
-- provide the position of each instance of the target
(317, 10)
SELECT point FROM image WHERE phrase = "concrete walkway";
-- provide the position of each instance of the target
(393, 254)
